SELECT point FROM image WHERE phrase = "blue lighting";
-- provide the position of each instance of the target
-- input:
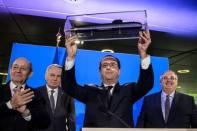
(87, 70)
(173, 16)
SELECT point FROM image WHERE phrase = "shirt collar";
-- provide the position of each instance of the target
(164, 94)
(112, 89)
(12, 85)
(49, 89)
(105, 85)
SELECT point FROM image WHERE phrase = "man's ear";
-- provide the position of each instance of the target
(30, 74)
(10, 70)
(45, 76)
(119, 72)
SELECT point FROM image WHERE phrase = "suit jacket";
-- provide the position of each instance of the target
(183, 112)
(97, 112)
(64, 114)
(11, 120)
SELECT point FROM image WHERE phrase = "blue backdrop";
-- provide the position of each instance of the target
(87, 69)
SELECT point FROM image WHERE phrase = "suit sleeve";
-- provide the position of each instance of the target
(71, 87)
(71, 121)
(3, 107)
(39, 116)
(144, 84)
(194, 115)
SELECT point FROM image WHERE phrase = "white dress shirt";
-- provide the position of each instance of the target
(163, 99)
(112, 89)
(55, 94)
(12, 87)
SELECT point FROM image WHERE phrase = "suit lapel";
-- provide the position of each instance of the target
(159, 107)
(7, 90)
(103, 97)
(173, 108)
(59, 99)
(116, 98)
(46, 97)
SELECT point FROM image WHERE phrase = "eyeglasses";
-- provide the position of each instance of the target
(111, 65)
(169, 78)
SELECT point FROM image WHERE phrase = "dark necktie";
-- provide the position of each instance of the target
(109, 95)
(52, 101)
(18, 87)
(167, 107)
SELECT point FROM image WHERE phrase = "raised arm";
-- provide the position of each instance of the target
(146, 77)
(71, 47)
(69, 82)
(143, 43)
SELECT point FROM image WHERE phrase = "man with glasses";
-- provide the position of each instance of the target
(110, 104)
(168, 108)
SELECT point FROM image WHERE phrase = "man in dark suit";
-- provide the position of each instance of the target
(109, 105)
(21, 108)
(59, 105)
(168, 108)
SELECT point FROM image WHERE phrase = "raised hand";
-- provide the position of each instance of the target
(71, 47)
(143, 43)
(21, 97)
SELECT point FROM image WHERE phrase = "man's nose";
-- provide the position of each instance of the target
(56, 78)
(108, 67)
(18, 70)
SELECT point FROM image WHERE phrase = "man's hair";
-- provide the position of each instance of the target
(161, 77)
(53, 65)
(110, 57)
(28, 62)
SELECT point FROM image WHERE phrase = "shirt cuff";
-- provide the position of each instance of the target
(28, 117)
(69, 64)
(145, 62)
(9, 105)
